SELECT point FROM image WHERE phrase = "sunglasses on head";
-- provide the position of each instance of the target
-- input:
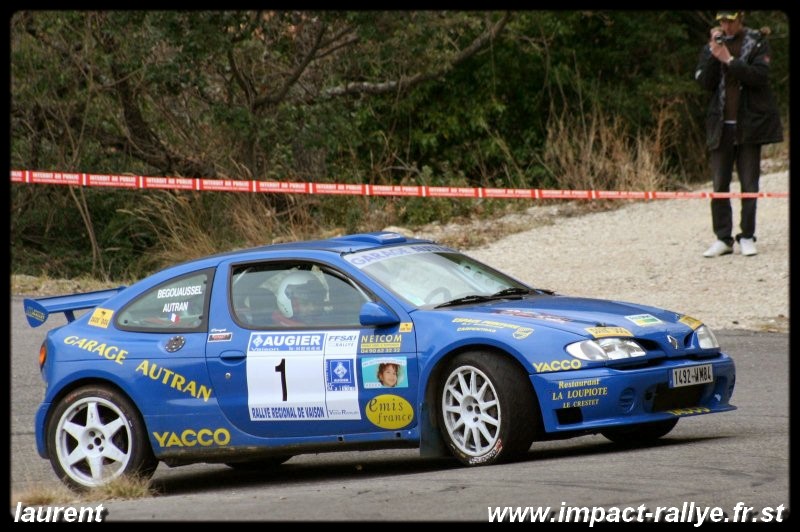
(728, 16)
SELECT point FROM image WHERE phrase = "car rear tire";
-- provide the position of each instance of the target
(95, 435)
(640, 434)
(487, 410)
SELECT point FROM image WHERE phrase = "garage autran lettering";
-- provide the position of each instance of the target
(174, 380)
(110, 352)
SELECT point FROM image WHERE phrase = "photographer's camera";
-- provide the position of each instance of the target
(719, 38)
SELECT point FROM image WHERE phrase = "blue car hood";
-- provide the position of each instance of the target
(591, 318)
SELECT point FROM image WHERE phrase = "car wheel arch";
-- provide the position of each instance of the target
(430, 426)
(92, 381)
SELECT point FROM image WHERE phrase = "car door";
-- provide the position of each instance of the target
(280, 373)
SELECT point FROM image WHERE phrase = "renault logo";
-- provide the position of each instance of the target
(673, 341)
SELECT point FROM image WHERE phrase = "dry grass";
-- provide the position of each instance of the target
(119, 488)
(595, 151)
(177, 222)
(45, 494)
(27, 285)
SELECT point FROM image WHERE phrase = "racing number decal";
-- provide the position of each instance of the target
(281, 368)
(319, 367)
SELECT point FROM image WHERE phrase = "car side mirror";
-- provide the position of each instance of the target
(376, 314)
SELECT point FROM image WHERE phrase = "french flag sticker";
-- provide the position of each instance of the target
(174, 318)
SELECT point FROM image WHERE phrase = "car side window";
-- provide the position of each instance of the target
(177, 305)
(283, 295)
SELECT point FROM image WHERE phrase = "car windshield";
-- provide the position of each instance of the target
(431, 275)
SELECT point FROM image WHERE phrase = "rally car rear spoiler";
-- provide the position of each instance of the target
(37, 310)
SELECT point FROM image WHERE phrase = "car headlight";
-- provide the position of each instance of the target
(706, 338)
(605, 349)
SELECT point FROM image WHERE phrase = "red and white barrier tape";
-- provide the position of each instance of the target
(284, 187)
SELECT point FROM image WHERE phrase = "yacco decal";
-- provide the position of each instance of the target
(191, 437)
(110, 352)
(557, 365)
(173, 380)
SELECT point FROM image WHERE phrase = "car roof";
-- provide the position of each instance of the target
(339, 245)
(350, 243)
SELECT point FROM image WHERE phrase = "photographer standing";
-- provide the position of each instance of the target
(742, 116)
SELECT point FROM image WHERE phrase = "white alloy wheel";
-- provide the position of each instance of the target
(94, 436)
(487, 411)
(471, 411)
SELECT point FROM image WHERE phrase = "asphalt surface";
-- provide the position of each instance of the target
(721, 460)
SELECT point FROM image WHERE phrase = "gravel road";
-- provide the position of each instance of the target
(652, 253)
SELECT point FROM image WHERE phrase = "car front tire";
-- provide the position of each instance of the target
(487, 410)
(95, 435)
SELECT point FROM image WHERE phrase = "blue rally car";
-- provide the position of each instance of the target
(364, 341)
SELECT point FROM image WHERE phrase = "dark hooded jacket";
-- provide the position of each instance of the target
(758, 118)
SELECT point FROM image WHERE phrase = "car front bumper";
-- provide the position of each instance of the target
(592, 399)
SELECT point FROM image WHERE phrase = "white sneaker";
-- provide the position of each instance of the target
(718, 248)
(748, 246)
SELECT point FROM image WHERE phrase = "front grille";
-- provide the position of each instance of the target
(667, 398)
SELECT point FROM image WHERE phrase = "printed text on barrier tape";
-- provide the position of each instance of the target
(284, 187)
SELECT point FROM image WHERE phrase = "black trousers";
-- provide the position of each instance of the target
(748, 166)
